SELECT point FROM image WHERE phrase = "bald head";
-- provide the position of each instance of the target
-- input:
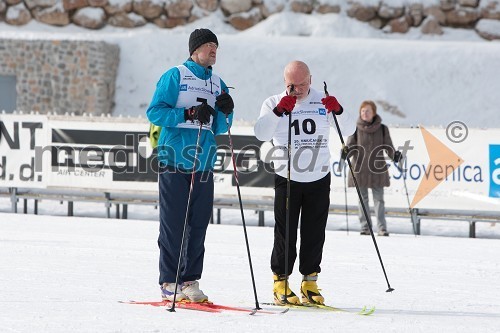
(297, 74)
(297, 68)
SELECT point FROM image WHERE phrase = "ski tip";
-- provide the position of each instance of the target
(370, 311)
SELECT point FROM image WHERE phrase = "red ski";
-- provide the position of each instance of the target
(181, 305)
(204, 306)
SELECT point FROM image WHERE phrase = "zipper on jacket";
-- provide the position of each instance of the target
(206, 84)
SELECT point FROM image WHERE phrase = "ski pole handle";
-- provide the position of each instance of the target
(292, 89)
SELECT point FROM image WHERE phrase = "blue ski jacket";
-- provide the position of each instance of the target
(176, 146)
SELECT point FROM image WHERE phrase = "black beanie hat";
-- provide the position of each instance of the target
(200, 37)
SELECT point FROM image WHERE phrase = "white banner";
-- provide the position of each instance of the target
(19, 136)
(442, 171)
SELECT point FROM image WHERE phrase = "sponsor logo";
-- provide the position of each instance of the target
(200, 90)
(495, 171)
(184, 87)
(306, 112)
(322, 111)
(442, 158)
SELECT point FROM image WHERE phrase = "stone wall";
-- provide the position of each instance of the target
(61, 76)
(481, 15)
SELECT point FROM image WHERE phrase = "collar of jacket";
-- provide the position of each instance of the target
(203, 73)
(369, 127)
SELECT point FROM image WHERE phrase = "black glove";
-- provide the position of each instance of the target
(397, 156)
(225, 103)
(344, 152)
(343, 156)
(200, 112)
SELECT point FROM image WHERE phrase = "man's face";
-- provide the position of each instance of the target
(206, 54)
(301, 81)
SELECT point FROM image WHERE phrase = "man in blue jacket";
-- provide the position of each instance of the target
(191, 104)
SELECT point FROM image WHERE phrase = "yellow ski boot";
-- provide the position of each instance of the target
(280, 284)
(309, 290)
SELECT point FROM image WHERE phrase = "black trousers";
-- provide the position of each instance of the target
(311, 201)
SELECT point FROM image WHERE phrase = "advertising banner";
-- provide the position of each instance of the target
(444, 168)
(19, 136)
(453, 167)
(106, 154)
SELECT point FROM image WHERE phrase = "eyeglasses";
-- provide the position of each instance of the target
(212, 45)
(302, 85)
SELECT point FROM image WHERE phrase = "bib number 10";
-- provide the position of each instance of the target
(308, 126)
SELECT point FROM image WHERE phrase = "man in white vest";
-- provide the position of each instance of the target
(190, 105)
(312, 117)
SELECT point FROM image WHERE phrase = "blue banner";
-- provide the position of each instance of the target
(495, 171)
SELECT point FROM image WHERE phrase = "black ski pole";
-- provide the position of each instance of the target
(402, 169)
(345, 192)
(359, 195)
(257, 307)
(288, 180)
(342, 168)
(172, 309)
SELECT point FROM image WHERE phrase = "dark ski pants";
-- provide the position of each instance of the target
(312, 202)
(174, 191)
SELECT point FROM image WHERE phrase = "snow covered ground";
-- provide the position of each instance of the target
(61, 274)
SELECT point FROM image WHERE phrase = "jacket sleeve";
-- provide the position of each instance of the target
(388, 142)
(266, 124)
(219, 125)
(352, 140)
(162, 110)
